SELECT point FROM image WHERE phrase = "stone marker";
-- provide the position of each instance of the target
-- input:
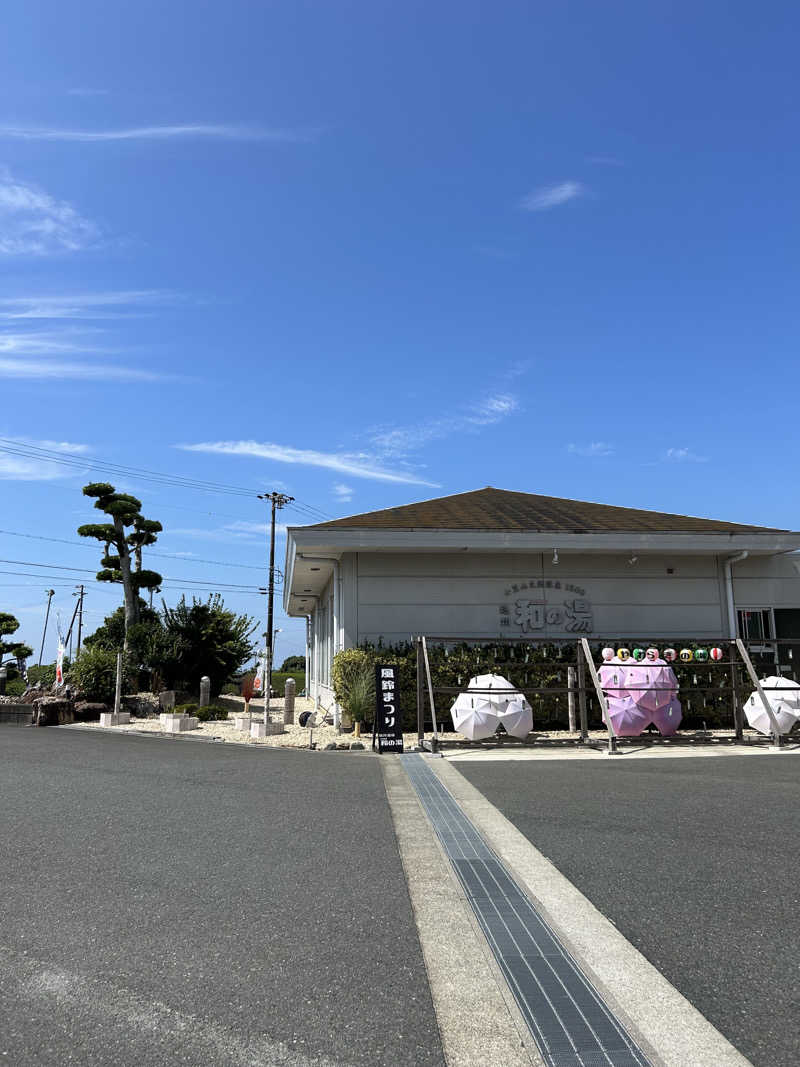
(288, 701)
(167, 699)
(205, 691)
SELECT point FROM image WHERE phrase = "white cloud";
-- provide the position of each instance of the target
(400, 440)
(683, 455)
(31, 469)
(342, 492)
(46, 369)
(358, 465)
(33, 223)
(47, 343)
(185, 131)
(100, 305)
(551, 196)
(596, 448)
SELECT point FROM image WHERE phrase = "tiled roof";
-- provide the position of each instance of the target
(502, 509)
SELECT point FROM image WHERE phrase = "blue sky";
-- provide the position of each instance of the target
(373, 252)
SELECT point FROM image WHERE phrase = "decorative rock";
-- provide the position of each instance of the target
(205, 691)
(356, 745)
(330, 747)
(87, 711)
(52, 711)
(288, 702)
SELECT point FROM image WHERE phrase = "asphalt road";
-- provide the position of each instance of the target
(694, 860)
(174, 902)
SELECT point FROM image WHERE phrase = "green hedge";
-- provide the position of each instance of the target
(529, 666)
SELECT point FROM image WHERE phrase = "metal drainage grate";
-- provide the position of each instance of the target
(565, 1014)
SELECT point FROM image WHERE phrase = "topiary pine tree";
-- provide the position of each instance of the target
(125, 566)
(9, 625)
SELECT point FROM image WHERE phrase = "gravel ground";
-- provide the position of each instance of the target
(295, 736)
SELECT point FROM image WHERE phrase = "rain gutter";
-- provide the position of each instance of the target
(728, 563)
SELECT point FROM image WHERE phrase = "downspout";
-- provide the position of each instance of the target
(727, 564)
(337, 714)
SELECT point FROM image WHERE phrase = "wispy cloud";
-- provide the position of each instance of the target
(595, 448)
(33, 223)
(343, 493)
(30, 469)
(401, 440)
(683, 455)
(358, 465)
(549, 196)
(54, 370)
(185, 131)
(99, 305)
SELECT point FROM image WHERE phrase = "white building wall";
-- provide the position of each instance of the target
(466, 594)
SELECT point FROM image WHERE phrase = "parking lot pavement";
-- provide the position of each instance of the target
(694, 860)
(173, 902)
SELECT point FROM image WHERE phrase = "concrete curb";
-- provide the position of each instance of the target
(670, 1030)
(461, 971)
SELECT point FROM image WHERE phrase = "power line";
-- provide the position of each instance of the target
(87, 570)
(29, 451)
(161, 555)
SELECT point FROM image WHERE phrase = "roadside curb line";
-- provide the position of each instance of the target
(672, 1032)
(461, 971)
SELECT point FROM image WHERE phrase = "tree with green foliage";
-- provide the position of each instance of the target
(145, 638)
(204, 638)
(9, 625)
(125, 565)
(294, 663)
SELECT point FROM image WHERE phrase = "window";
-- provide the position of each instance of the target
(755, 624)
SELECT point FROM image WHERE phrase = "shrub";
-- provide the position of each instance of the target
(94, 673)
(208, 714)
(15, 687)
(346, 664)
(213, 713)
(46, 674)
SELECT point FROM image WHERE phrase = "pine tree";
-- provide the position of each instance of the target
(125, 564)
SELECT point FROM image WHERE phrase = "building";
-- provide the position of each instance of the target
(494, 563)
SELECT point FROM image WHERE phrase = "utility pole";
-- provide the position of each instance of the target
(277, 501)
(50, 595)
(80, 617)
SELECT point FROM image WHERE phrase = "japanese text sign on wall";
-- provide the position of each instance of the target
(388, 717)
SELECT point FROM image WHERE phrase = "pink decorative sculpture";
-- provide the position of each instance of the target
(641, 693)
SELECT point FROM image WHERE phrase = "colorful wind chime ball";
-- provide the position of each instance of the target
(701, 655)
(608, 653)
(638, 654)
(623, 653)
(716, 654)
(686, 655)
(670, 655)
(652, 654)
